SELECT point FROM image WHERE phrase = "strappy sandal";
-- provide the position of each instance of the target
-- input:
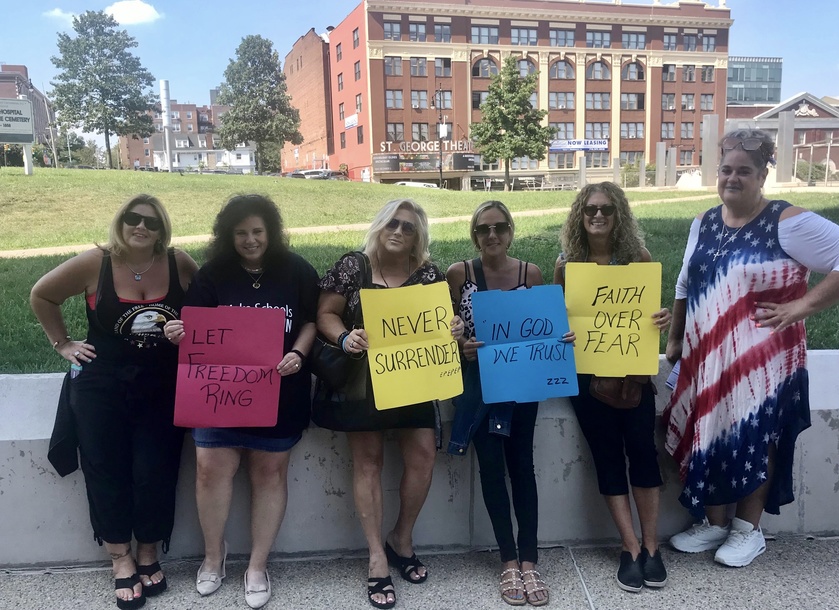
(129, 583)
(511, 581)
(155, 588)
(379, 586)
(406, 565)
(533, 583)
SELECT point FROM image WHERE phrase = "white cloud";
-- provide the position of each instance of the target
(60, 15)
(131, 12)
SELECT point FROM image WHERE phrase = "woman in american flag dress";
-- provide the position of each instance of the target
(741, 398)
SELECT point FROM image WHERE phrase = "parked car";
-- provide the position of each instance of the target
(331, 174)
(310, 174)
(427, 185)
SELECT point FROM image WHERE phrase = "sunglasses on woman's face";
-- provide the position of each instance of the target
(133, 219)
(745, 144)
(606, 210)
(500, 228)
(408, 228)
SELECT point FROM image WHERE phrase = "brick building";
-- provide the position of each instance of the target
(15, 81)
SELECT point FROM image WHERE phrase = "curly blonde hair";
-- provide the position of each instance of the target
(627, 240)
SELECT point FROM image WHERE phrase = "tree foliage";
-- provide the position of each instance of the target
(510, 126)
(260, 109)
(101, 86)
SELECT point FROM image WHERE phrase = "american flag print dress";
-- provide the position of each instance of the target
(741, 388)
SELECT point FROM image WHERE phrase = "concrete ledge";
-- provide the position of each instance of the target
(44, 519)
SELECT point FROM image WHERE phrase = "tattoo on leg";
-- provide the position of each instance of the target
(115, 556)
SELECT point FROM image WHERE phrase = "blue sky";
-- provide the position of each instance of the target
(190, 43)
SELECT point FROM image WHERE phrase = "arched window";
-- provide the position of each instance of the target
(632, 71)
(561, 70)
(525, 67)
(484, 68)
(598, 71)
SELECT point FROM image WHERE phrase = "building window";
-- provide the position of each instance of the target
(146, 151)
(343, 139)
(359, 134)
(355, 39)
(668, 101)
(395, 132)
(632, 130)
(598, 40)
(341, 111)
(418, 66)
(445, 131)
(632, 101)
(688, 42)
(393, 66)
(534, 100)
(563, 160)
(478, 98)
(598, 71)
(189, 127)
(633, 41)
(442, 66)
(668, 131)
(597, 131)
(358, 102)
(668, 73)
(484, 68)
(632, 71)
(526, 37)
(393, 98)
(562, 38)
(526, 67)
(707, 74)
(689, 74)
(685, 157)
(176, 127)
(176, 114)
(598, 101)
(145, 140)
(523, 163)
(181, 143)
(419, 132)
(669, 42)
(357, 70)
(632, 157)
(482, 34)
(338, 53)
(597, 159)
(202, 142)
(158, 127)
(393, 30)
(563, 131)
(341, 81)
(687, 130)
(560, 100)
(706, 101)
(709, 43)
(189, 114)
(442, 32)
(419, 99)
(488, 164)
(416, 32)
(444, 99)
(688, 101)
(561, 70)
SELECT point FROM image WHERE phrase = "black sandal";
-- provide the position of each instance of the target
(406, 565)
(380, 586)
(154, 588)
(129, 583)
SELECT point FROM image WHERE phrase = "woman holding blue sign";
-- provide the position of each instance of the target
(502, 433)
(602, 229)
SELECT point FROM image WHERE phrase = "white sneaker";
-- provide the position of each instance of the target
(701, 537)
(745, 542)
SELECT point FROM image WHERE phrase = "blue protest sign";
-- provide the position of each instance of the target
(524, 358)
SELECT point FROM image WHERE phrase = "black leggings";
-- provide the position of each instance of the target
(517, 449)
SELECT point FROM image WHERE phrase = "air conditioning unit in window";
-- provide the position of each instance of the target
(415, 106)
(671, 107)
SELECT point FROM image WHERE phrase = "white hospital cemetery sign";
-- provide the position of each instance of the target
(16, 125)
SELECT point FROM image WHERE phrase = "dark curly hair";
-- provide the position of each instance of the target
(626, 239)
(237, 209)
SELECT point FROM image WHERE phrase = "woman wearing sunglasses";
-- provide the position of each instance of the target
(738, 333)
(396, 247)
(501, 433)
(602, 229)
(122, 386)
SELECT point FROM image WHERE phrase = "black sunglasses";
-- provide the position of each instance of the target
(133, 219)
(408, 228)
(606, 210)
(500, 229)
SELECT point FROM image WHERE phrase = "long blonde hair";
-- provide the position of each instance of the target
(419, 252)
(116, 243)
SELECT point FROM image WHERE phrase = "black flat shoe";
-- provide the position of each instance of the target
(406, 565)
(380, 586)
(655, 574)
(630, 575)
(129, 583)
(154, 588)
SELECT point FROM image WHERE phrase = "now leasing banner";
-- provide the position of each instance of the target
(227, 367)
(524, 358)
(413, 357)
(610, 309)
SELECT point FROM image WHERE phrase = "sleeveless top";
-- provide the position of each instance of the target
(471, 286)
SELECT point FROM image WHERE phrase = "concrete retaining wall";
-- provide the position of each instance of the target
(44, 519)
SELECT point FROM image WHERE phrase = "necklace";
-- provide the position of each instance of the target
(722, 248)
(138, 275)
(250, 273)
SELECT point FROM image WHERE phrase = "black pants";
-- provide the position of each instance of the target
(517, 450)
(130, 451)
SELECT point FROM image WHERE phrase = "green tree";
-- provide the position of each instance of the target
(510, 126)
(69, 141)
(101, 85)
(260, 109)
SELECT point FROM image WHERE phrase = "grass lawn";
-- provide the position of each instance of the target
(24, 348)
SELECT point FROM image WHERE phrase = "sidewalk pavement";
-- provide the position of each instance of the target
(794, 572)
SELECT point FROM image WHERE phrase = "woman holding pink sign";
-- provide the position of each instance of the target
(250, 265)
(602, 229)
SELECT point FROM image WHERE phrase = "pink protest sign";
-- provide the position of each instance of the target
(227, 367)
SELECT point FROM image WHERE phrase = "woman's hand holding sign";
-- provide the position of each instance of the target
(662, 318)
(174, 331)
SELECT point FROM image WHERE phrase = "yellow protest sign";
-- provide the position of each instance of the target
(413, 357)
(610, 309)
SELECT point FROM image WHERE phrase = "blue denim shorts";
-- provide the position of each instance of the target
(210, 438)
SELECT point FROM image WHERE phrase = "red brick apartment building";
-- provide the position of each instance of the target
(633, 74)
